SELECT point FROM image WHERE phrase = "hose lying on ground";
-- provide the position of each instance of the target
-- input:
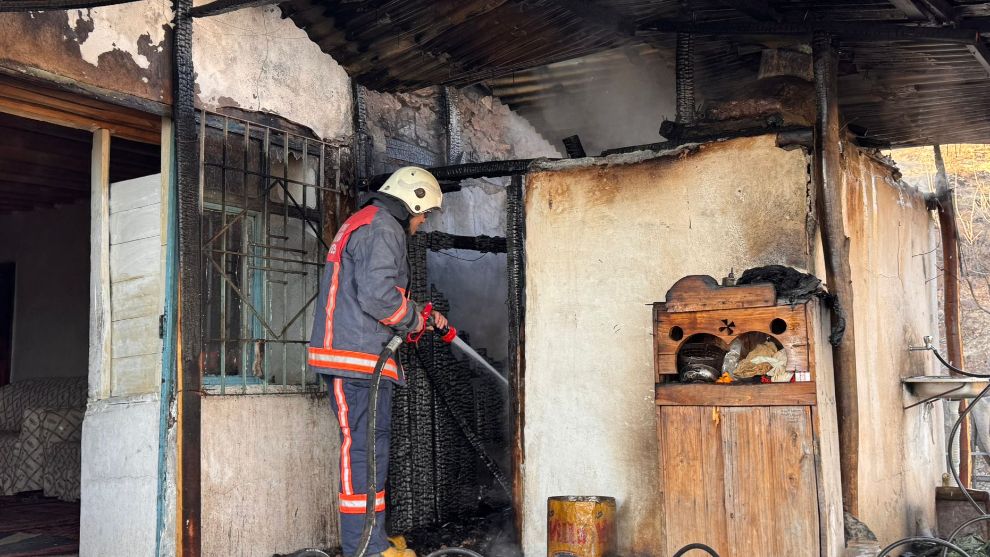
(698, 546)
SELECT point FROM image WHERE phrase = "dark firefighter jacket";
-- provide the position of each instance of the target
(363, 300)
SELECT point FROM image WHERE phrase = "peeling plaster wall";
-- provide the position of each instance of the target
(124, 48)
(270, 474)
(251, 59)
(119, 477)
(477, 288)
(893, 239)
(254, 60)
(602, 242)
(51, 306)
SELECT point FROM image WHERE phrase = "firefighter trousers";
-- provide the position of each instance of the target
(349, 399)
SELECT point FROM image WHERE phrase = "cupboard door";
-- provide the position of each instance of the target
(740, 479)
(692, 474)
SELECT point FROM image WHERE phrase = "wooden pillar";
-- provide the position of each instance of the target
(99, 274)
(950, 302)
(189, 354)
(828, 187)
(514, 237)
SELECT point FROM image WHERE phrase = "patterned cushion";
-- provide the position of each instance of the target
(62, 424)
(28, 461)
(42, 427)
(9, 446)
(39, 393)
(63, 466)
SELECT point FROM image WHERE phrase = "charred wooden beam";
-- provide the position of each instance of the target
(39, 5)
(189, 364)
(913, 9)
(515, 232)
(794, 139)
(437, 241)
(573, 146)
(684, 75)
(218, 7)
(980, 51)
(940, 11)
(846, 29)
(827, 178)
(709, 132)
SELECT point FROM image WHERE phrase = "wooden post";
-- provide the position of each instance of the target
(828, 187)
(99, 274)
(950, 302)
(515, 263)
(189, 354)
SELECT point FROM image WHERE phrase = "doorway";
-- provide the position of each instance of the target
(45, 286)
(6, 319)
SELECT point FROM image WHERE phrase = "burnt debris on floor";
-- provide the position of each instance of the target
(489, 533)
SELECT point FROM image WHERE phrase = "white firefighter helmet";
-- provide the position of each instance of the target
(416, 187)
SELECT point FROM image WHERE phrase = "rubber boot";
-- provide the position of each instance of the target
(398, 542)
(396, 552)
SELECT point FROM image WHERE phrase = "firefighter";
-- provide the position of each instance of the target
(363, 302)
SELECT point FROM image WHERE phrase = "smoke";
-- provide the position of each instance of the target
(617, 98)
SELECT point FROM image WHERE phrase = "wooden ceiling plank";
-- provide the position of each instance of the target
(70, 183)
(760, 10)
(77, 112)
(980, 51)
(910, 8)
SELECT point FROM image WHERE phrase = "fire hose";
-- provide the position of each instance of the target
(448, 335)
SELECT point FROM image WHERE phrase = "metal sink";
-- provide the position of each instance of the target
(945, 386)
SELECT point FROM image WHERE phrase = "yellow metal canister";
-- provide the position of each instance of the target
(580, 526)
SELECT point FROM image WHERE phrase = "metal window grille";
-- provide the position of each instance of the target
(270, 201)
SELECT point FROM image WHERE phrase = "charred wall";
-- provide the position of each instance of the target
(411, 128)
(437, 476)
(602, 242)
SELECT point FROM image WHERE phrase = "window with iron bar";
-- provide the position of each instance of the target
(270, 203)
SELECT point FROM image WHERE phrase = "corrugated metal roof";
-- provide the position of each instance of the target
(903, 92)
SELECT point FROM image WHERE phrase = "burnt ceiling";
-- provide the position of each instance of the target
(45, 165)
(912, 71)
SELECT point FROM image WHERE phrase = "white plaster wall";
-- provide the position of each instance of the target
(255, 60)
(603, 242)
(269, 474)
(51, 303)
(122, 28)
(119, 477)
(893, 240)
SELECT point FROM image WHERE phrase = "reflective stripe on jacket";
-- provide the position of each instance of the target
(363, 300)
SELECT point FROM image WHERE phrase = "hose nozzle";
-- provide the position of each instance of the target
(447, 334)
